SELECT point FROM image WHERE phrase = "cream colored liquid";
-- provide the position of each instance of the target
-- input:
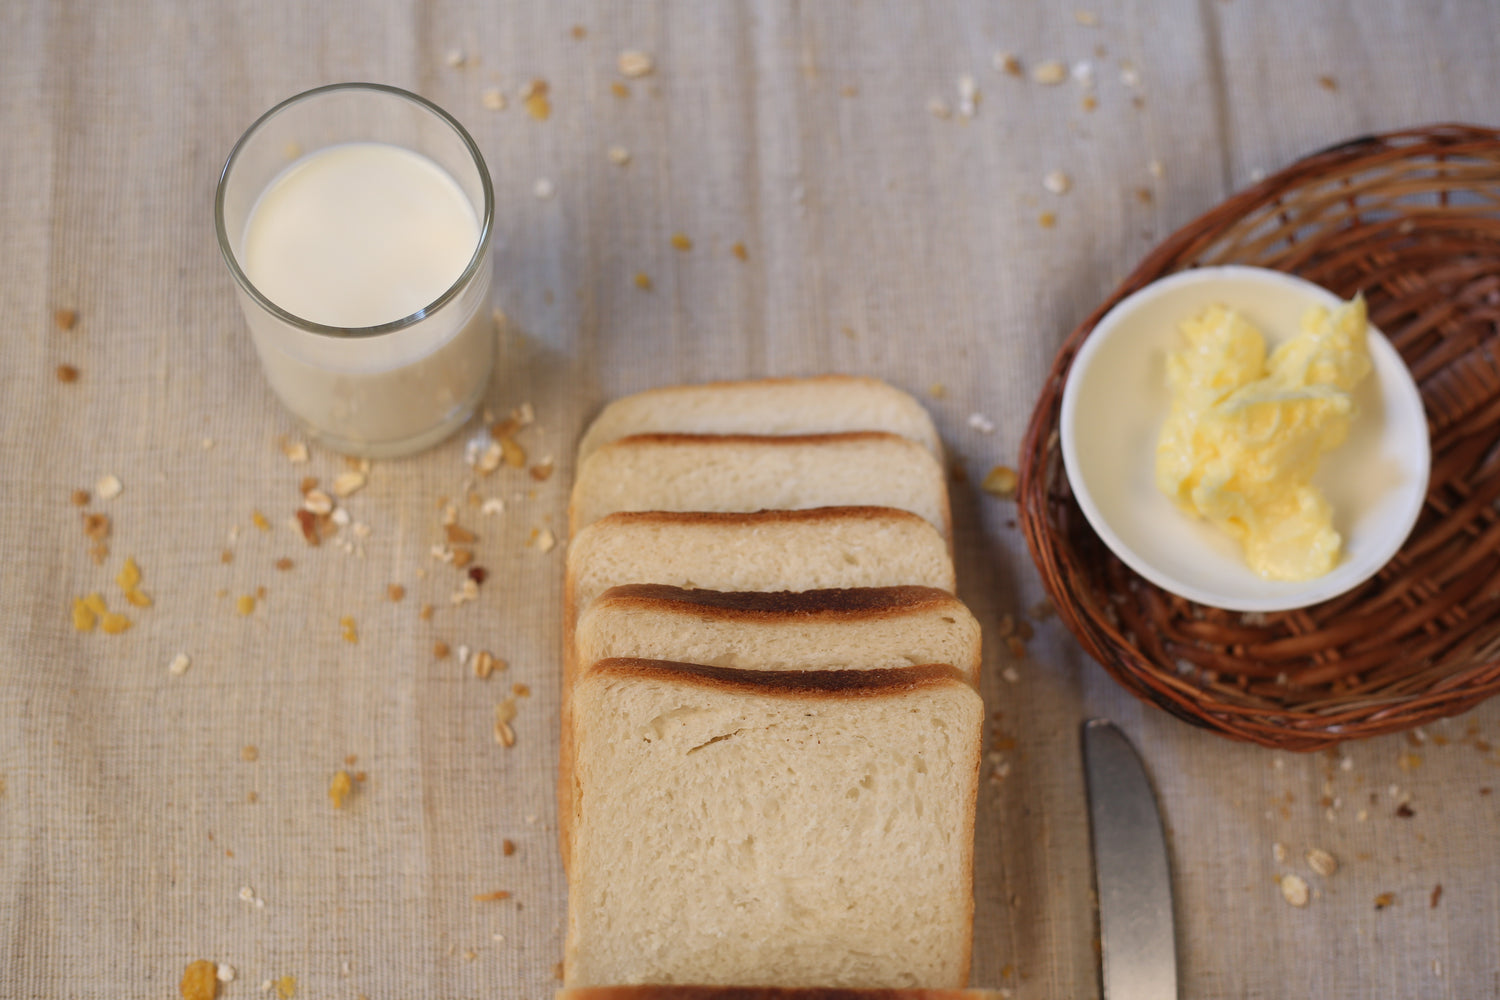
(359, 235)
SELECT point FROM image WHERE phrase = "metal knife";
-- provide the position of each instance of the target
(1137, 935)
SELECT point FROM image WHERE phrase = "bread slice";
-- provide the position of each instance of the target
(821, 405)
(866, 627)
(680, 992)
(822, 548)
(759, 472)
(795, 829)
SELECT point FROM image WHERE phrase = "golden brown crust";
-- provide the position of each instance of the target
(829, 437)
(782, 605)
(685, 992)
(808, 515)
(840, 684)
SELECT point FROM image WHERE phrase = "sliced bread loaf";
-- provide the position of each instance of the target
(794, 829)
(825, 548)
(759, 472)
(820, 405)
(868, 627)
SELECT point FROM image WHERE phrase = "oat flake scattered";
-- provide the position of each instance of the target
(1294, 890)
(349, 483)
(180, 664)
(295, 452)
(1278, 852)
(1321, 862)
(1050, 73)
(545, 540)
(635, 64)
(618, 155)
(492, 100)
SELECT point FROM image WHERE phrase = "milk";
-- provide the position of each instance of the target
(353, 236)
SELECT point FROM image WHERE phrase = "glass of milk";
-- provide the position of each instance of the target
(356, 221)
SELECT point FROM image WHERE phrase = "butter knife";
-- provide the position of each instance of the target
(1137, 935)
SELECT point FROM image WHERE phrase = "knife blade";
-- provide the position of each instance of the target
(1137, 934)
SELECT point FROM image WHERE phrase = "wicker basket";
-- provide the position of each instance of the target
(1413, 219)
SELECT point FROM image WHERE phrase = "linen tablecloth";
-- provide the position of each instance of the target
(885, 169)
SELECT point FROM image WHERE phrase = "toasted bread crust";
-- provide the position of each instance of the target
(788, 440)
(684, 992)
(840, 684)
(782, 605)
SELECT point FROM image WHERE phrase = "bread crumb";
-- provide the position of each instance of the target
(425, 612)
(459, 535)
(84, 617)
(113, 624)
(339, 788)
(179, 664)
(64, 319)
(1001, 482)
(1328, 83)
(634, 64)
(67, 374)
(245, 604)
(618, 155)
(1007, 63)
(295, 452)
(348, 632)
(1384, 899)
(619, 89)
(507, 847)
(938, 108)
(1057, 182)
(1086, 18)
(680, 241)
(491, 897)
(395, 591)
(534, 99)
(545, 540)
(981, 423)
(108, 487)
(643, 281)
(224, 972)
(1294, 890)
(286, 987)
(200, 981)
(1047, 220)
(543, 189)
(492, 100)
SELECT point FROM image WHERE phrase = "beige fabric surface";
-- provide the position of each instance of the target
(881, 239)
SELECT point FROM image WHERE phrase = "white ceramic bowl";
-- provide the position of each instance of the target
(1116, 400)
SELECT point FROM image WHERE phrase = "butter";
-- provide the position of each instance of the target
(1245, 432)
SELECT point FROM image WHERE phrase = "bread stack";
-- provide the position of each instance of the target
(771, 730)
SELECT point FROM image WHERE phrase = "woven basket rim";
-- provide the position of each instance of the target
(1444, 690)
